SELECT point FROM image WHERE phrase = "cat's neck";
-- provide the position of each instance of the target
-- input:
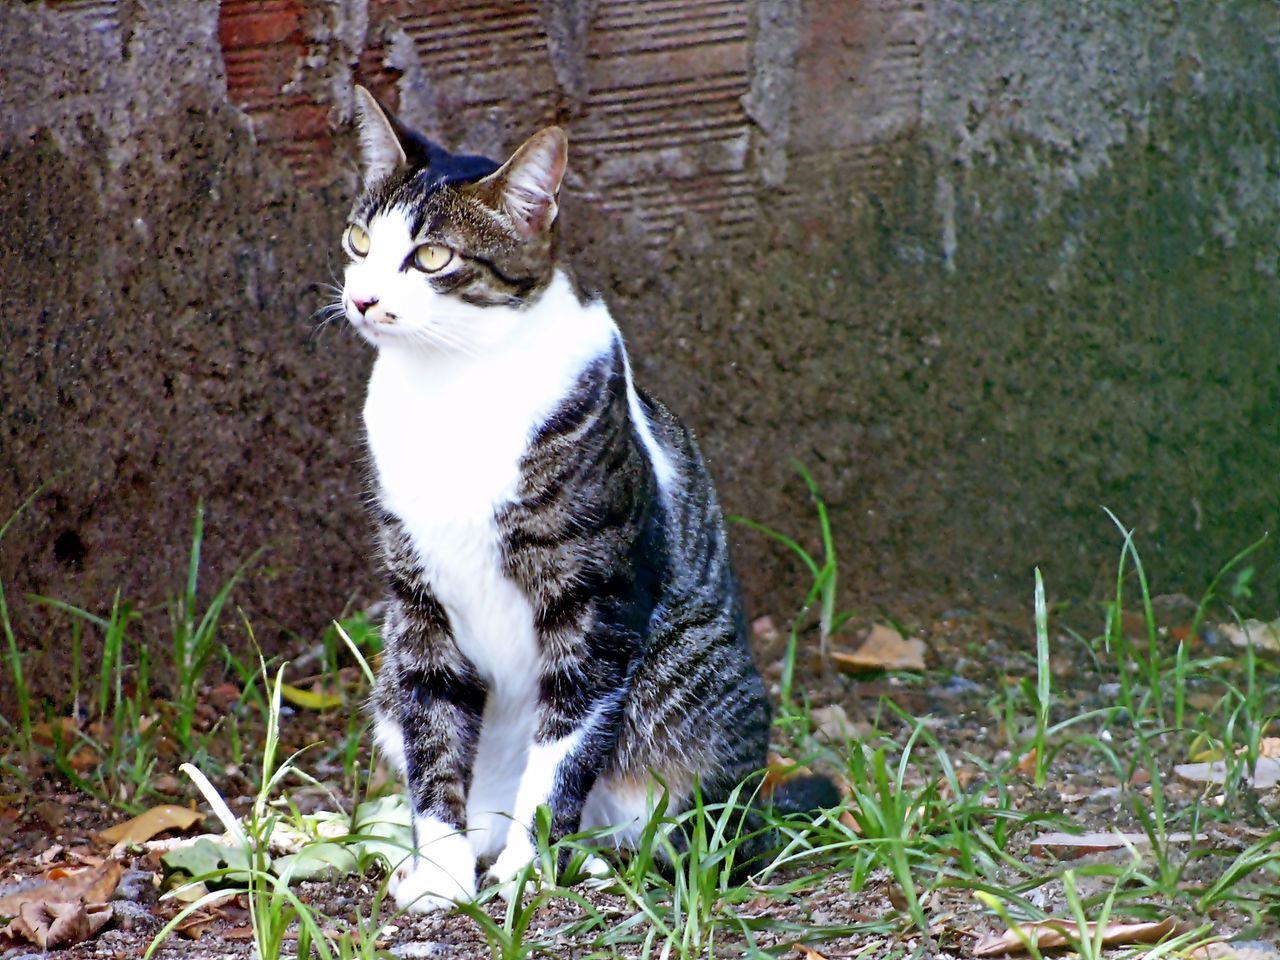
(447, 430)
(556, 324)
(535, 363)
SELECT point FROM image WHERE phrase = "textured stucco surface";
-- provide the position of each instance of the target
(984, 268)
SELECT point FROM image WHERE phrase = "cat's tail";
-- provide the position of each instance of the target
(808, 793)
(755, 837)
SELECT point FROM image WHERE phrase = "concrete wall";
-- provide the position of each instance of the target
(982, 267)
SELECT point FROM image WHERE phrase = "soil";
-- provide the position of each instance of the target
(976, 664)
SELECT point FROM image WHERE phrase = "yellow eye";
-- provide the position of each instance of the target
(431, 257)
(357, 240)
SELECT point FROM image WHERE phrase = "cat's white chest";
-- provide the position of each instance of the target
(447, 455)
(447, 435)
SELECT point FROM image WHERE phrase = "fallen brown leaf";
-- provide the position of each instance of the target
(1047, 934)
(832, 724)
(1237, 950)
(846, 818)
(884, 649)
(92, 885)
(84, 759)
(51, 924)
(779, 770)
(1263, 636)
(1027, 765)
(44, 735)
(143, 827)
(50, 854)
(808, 953)
(1070, 846)
(1265, 775)
(195, 926)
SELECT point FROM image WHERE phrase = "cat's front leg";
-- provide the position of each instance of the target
(566, 759)
(438, 701)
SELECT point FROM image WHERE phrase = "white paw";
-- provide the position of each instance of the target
(435, 879)
(517, 855)
(599, 873)
(506, 871)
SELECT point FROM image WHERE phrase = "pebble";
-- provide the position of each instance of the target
(418, 948)
(954, 686)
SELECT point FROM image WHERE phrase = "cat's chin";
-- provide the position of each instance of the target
(384, 334)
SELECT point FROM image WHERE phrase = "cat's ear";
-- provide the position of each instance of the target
(526, 188)
(381, 152)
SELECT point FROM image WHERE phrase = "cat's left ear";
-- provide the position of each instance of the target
(380, 150)
(526, 188)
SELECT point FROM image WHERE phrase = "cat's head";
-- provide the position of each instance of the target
(445, 251)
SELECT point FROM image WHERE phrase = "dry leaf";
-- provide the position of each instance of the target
(1069, 846)
(1236, 950)
(92, 885)
(1269, 747)
(779, 770)
(1262, 636)
(832, 724)
(1027, 765)
(884, 649)
(309, 699)
(43, 733)
(808, 953)
(50, 855)
(1265, 775)
(84, 759)
(140, 829)
(196, 925)
(51, 924)
(1047, 934)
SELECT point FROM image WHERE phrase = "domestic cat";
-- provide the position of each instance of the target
(563, 625)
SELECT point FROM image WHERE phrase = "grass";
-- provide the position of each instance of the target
(931, 844)
(274, 908)
(106, 747)
(825, 573)
(25, 741)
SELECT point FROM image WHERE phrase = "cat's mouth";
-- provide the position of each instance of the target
(372, 319)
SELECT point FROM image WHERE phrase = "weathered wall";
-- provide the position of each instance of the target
(983, 267)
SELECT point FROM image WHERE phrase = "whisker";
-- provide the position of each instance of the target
(327, 314)
(443, 337)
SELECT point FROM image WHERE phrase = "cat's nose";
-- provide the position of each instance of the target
(363, 305)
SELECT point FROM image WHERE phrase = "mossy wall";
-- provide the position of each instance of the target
(984, 268)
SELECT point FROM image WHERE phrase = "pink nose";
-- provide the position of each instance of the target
(363, 305)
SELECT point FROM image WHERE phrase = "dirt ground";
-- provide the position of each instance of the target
(975, 665)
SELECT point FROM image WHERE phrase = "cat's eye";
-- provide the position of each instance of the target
(431, 257)
(357, 240)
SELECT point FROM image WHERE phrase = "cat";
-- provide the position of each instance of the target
(563, 623)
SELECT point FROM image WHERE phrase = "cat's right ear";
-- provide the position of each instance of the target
(381, 152)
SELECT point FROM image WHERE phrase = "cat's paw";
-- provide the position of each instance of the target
(517, 855)
(425, 883)
(598, 873)
(594, 872)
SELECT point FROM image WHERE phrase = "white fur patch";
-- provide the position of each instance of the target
(626, 808)
(535, 789)
(663, 469)
(441, 872)
(390, 741)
